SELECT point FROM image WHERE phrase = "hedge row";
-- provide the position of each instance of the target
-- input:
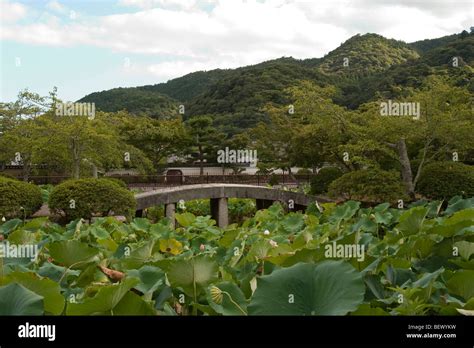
(18, 198)
(368, 185)
(320, 182)
(443, 180)
(85, 198)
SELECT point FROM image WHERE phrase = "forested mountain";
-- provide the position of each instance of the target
(462, 47)
(138, 101)
(336, 112)
(375, 67)
(365, 54)
(188, 86)
(424, 46)
(436, 61)
(252, 87)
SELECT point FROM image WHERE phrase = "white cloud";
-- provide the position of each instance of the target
(234, 33)
(148, 4)
(11, 12)
(171, 69)
(168, 70)
(56, 6)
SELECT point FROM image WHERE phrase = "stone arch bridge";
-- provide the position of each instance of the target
(219, 195)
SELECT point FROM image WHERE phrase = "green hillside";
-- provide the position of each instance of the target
(437, 61)
(378, 67)
(188, 86)
(254, 86)
(426, 45)
(461, 46)
(366, 54)
(135, 100)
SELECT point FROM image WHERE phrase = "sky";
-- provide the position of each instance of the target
(93, 45)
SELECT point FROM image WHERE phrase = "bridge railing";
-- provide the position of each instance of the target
(177, 180)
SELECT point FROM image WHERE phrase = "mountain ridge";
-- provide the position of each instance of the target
(238, 95)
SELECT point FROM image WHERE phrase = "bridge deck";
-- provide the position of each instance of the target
(173, 195)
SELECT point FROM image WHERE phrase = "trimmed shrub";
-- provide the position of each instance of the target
(320, 182)
(443, 180)
(304, 171)
(8, 176)
(368, 185)
(198, 207)
(240, 209)
(117, 181)
(273, 180)
(45, 191)
(91, 197)
(18, 198)
(155, 213)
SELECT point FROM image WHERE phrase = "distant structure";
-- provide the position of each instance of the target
(219, 195)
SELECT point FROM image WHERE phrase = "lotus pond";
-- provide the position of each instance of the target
(342, 260)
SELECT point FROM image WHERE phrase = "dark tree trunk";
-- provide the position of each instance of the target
(407, 174)
(26, 171)
(95, 173)
(76, 166)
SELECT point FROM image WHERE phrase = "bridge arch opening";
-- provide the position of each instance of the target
(218, 195)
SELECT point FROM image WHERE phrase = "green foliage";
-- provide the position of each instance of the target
(6, 175)
(462, 48)
(156, 139)
(273, 180)
(233, 97)
(227, 299)
(28, 105)
(140, 102)
(274, 142)
(48, 289)
(85, 198)
(72, 253)
(205, 138)
(116, 181)
(423, 253)
(18, 198)
(192, 275)
(71, 145)
(426, 45)
(108, 299)
(197, 207)
(304, 171)
(443, 180)
(45, 191)
(189, 86)
(320, 182)
(246, 90)
(238, 208)
(378, 67)
(155, 213)
(366, 53)
(326, 288)
(15, 299)
(368, 185)
(396, 81)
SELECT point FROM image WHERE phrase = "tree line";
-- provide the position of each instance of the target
(310, 132)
